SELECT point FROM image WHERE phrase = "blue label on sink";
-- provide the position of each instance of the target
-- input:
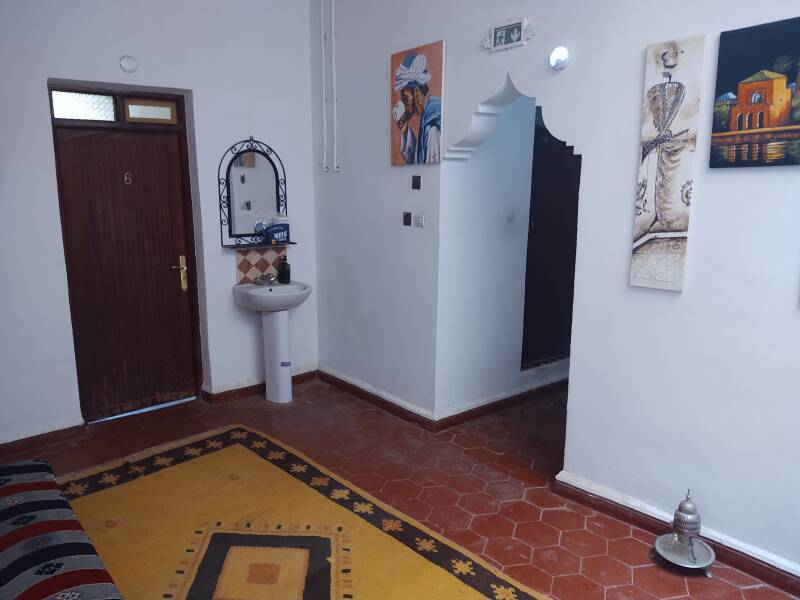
(286, 363)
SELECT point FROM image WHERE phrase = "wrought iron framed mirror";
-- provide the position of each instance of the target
(252, 194)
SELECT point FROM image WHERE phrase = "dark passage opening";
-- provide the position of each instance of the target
(550, 271)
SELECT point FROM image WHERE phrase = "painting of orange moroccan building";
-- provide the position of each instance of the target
(764, 100)
(757, 107)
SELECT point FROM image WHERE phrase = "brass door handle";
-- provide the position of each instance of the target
(181, 266)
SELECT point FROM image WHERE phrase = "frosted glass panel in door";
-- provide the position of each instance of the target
(84, 107)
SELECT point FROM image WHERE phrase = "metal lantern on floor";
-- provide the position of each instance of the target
(683, 547)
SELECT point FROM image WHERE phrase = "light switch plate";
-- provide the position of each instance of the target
(419, 220)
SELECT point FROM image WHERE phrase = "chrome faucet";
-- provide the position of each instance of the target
(267, 279)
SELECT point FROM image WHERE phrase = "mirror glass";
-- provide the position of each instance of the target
(252, 196)
(253, 191)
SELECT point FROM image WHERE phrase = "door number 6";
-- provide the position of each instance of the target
(128, 179)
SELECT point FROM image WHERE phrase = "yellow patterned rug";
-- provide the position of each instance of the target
(234, 514)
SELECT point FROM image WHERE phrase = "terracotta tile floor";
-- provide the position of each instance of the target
(473, 483)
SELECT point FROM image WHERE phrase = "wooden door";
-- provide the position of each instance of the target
(552, 239)
(122, 197)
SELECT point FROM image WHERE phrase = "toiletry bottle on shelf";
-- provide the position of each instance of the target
(284, 271)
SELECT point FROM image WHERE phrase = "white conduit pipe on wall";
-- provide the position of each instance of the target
(336, 166)
(324, 36)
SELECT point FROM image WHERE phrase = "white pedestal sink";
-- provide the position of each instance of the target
(273, 302)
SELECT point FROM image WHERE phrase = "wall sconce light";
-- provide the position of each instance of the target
(559, 58)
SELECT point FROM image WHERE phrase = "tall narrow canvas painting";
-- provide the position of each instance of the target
(666, 162)
(757, 100)
(416, 104)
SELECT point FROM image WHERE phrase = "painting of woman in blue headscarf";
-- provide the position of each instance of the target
(417, 105)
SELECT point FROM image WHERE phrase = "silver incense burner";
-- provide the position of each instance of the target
(683, 547)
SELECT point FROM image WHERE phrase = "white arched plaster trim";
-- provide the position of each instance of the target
(484, 121)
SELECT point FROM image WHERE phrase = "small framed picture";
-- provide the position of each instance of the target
(509, 34)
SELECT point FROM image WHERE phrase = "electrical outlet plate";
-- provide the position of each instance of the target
(416, 182)
(407, 219)
(419, 220)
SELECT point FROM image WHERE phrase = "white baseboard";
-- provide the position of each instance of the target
(534, 378)
(617, 497)
(550, 374)
(424, 412)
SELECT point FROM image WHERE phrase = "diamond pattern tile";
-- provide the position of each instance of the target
(255, 262)
(483, 484)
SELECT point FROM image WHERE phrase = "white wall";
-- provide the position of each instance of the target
(482, 259)
(243, 82)
(666, 390)
(377, 279)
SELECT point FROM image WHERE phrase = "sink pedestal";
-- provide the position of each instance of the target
(273, 302)
(277, 356)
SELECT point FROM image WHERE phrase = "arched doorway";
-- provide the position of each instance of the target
(748, 121)
(507, 165)
(739, 121)
(760, 120)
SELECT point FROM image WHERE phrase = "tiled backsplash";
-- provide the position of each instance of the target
(254, 262)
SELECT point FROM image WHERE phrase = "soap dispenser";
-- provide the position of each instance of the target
(284, 271)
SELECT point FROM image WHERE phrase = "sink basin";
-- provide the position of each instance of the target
(271, 298)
